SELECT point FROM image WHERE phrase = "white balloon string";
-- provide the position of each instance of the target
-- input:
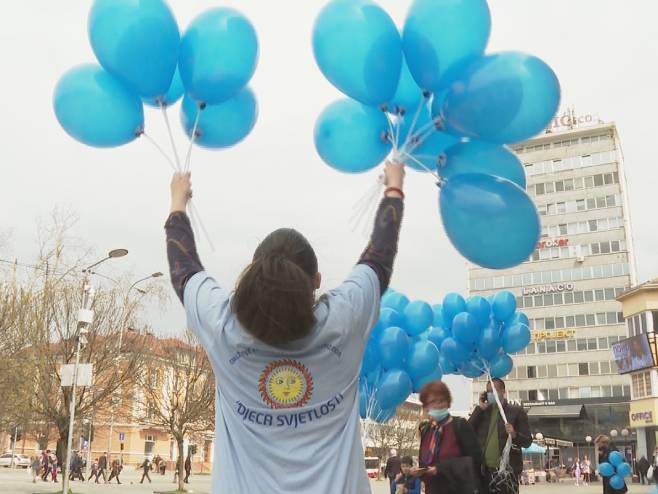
(171, 135)
(157, 146)
(421, 164)
(391, 132)
(188, 156)
(413, 122)
(195, 214)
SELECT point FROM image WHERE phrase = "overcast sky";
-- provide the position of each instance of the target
(605, 53)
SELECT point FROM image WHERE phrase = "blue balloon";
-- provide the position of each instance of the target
(423, 359)
(606, 470)
(447, 365)
(136, 41)
(418, 316)
(430, 150)
(489, 343)
(617, 482)
(389, 317)
(370, 357)
(393, 348)
(437, 335)
(502, 98)
(222, 125)
(624, 470)
(615, 458)
(440, 35)
(504, 305)
(465, 330)
(501, 365)
(516, 338)
(372, 378)
(480, 309)
(394, 386)
(482, 157)
(471, 369)
(455, 351)
(96, 108)
(437, 322)
(435, 375)
(218, 55)
(518, 318)
(174, 93)
(380, 415)
(396, 301)
(408, 96)
(491, 221)
(453, 304)
(352, 137)
(358, 49)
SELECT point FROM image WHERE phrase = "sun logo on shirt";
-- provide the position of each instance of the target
(285, 384)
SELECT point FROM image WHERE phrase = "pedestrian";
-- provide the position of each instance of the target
(493, 432)
(406, 482)
(145, 466)
(393, 469)
(450, 457)
(115, 471)
(36, 467)
(577, 471)
(586, 467)
(642, 468)
(286, 363)
(605, 447)
(45, 465)
(53, 467)
(94, 470)
(102, 467)
(188, 467)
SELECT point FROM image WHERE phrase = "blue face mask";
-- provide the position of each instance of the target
(439, 414)
(491, 398)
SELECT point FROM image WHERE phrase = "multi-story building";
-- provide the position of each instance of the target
(567, 377)
(637, 357)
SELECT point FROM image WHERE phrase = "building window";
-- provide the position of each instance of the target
(532, 372)
(583, 369)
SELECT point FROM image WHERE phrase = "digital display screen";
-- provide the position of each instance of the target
(633, 354)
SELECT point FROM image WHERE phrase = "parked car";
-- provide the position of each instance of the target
(20, 461)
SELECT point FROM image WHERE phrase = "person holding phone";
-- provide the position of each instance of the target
(450, 456)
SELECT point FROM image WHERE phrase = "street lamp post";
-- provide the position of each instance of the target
(85, 318)
(142, 292)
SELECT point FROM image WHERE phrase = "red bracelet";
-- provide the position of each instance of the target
(394, 189)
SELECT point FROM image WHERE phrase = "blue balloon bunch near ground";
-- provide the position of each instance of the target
(414, 343)
(616, 469)
(145, 59)
(432, 95)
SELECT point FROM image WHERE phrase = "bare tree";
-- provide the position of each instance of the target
(401, 432)
(178, 392)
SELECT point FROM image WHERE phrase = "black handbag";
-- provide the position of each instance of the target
(455, 476)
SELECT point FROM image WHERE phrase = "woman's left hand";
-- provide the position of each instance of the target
(432, 471)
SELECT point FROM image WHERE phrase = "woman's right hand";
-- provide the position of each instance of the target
(394, 174)
(181, 191)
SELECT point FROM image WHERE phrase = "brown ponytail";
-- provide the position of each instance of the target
(274, 296)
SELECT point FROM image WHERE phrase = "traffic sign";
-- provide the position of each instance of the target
(122, 436)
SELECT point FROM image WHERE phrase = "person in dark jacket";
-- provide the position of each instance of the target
(450, 456)
(392, 469)
(642, 468)
(102, 467)
(492, 433)
(188, 467)
(145, 466)
(605, 447)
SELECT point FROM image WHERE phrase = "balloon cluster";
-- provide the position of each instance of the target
(432, 96)
(145, 60)
(414, 343)
(615, 468)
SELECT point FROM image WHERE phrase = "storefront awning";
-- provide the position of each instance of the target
(557, 411)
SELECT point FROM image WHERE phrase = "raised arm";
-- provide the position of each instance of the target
(183, 259)
(383, 246)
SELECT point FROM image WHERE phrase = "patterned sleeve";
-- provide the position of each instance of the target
(383, 246)
(183, 259)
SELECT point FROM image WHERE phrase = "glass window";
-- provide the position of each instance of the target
(559, 186)
(591, 343)
(600, 202)
(590, 321)
(603, 344)
(573, 393)
(611, 317)
(585, 392)
(605, 247)
(589, 182)
(582, 344)
(540, 324)
(578, 183)
(541, 371)
(573, 369)
(595, 248)
(540, 189)
(614, 246)
(605, 367)
(592, 225)
(550, 347)
(552, 394)
(643, 320)
(580, 320)
(541, 347)
(548, 300)
(561, 346)
(559, 322)
(539, 301)
(589, 295)
(562, 370)
(571, 345)
(561, 208)
(591, 203)
(578, 297)
(611, 201)
(530, 348)
(599, 295)
(568, 184)
(568, 298)
(570, 321)
(550, 188)
(532, 371)
(607, 179)
(606, 391)
(594, 368)
(522, 372)
(532, 395)
(550, 323)
(596, 391)
(609, 293)
(617, 391)
(527, 302)
(600, 318)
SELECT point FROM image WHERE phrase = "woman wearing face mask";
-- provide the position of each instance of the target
(605, 447)
(450, 456)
